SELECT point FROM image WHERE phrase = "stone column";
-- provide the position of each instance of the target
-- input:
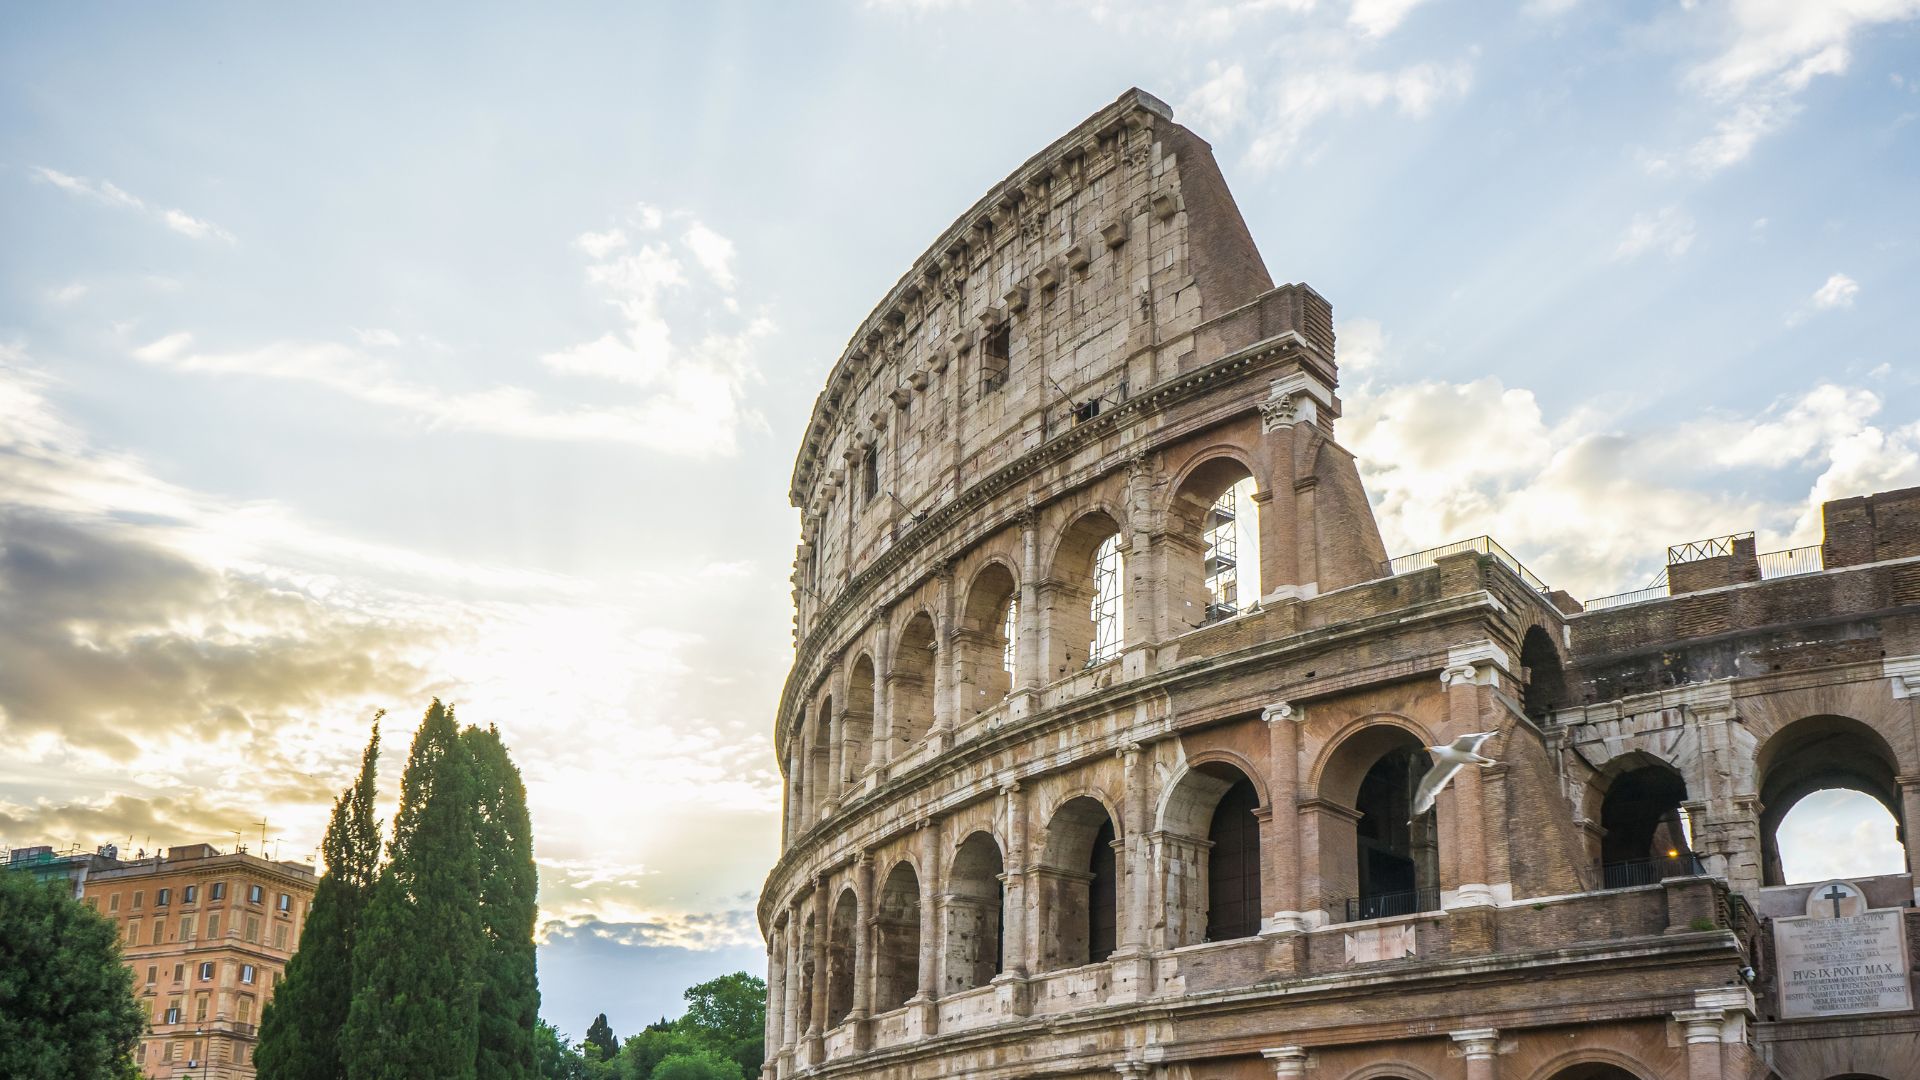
(817, 1015)
(931, 873)
(1014, 913)
(836, 758)
(1910, 813)
(1280, 869)
(863, 952)
(776, 988)
(880, 748)
(1289, 1062)
(789, 1025)
(1702, 1028)
(1029, 661)
(1134, 854)
(1481, 1048)
(943, 657)
(1468, 859)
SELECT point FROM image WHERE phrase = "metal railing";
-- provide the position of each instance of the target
(1711, 548)
(1481, 545)
(1792, 562)
(1387, 905)
(1625, 875)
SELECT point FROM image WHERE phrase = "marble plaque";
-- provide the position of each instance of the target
(1374, 943)
(1837, 964)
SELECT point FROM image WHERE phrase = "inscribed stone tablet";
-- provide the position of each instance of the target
(1835, 966)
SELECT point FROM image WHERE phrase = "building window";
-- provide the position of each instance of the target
(179, 972)
(162, 898)
(253, 930)
(186, 928)
(1107, 603)
(869, 475)
(190, 894)
(151, 972)
(93, 902)
(206, 971)
(280, 936)
(246, 1010)
(137, 897)
(133, 931)
(200, 1008)
(219, 891)
(1010, 632)
(159, 931)
(286, 902)
(173, 1014)
(140, 1053)
(255, 894)
(213, 925)
(996, 357)
(246, 974)
(166, 1051)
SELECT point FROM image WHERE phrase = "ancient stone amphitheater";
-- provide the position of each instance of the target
(1107, 708)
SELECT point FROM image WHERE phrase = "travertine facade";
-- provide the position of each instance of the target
(1100, 739)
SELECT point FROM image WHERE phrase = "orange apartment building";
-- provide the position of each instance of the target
(208, 936)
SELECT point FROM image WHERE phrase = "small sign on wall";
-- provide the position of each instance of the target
(1842, 957)
(1374, 943)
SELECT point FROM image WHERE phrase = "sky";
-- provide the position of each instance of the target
(353, 355)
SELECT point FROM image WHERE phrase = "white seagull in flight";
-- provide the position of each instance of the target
(1447, 760)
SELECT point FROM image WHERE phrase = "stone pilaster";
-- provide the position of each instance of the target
(1289, 1062)
(1481, 1048)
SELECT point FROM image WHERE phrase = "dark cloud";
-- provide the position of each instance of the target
(144, 822)
(111, 640)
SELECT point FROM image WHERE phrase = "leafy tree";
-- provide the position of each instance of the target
(553, 1059)
(600, 1039)
(730, 1013)
(417, 961)
(509, 1004)
(300, 1029)
(698, 1065)
(67, 1010)
(644, 1052)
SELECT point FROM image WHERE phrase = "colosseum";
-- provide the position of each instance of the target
(1108, 710)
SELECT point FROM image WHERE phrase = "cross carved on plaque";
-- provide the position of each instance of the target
(1836, 894)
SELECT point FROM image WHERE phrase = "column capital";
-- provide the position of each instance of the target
(1283, 710)
(1128, 749)
(1477, 1042)
(1130, 1070)
(1289, 1062)
(1701, 1025)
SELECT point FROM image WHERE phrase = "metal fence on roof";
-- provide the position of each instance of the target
(1480, 545)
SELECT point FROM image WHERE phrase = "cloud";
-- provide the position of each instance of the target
(1377, 18)
(1219, 103)
(1774, 49)
(685, 400)
(1300, 99)
(1838, 292)
(68, 293)
(109, 194)
(1589, 499)
(1670, 230)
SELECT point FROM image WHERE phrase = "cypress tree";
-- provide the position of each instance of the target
(509, 989)
(416, 961)
(300, 1030)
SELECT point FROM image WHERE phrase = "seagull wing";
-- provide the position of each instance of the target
(1430, 786)
(1471, 744)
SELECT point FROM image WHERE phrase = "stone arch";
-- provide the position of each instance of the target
(1643, 833)
(820, 761)
(1593, 1064)
(1376, 859)
(843, 926)
(856, 722)
(1389, 1070)
(1816, 753)
(1210, 854)
(896, 929)
(910, 683)
(982, 641)
(1209, 517)
(1546, 686)
(975, 914)
(1078, 885)
(1068, 594)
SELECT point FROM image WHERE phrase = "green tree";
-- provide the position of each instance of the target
(67, 1010)
(644, 1052)
(600, 1039)
(509, 1007)
(416, 963)
(300, 1029)
(553, 1059)
(698, 1065)
(730, 1015)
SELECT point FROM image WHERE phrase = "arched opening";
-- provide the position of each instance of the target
(840, 957)
(910, 684)
(804, 1020)
(974, 926)
(1384, 860)
(1546, 688)
(1837, 833)
(1594, 1070)
(988, 638)
(1822, 754)
(1644, 832)
(896, 973)
(1079, 893)
(1214, 564)
(1084, 597)
(820, 762)
(856, 726)
(1210, 835)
